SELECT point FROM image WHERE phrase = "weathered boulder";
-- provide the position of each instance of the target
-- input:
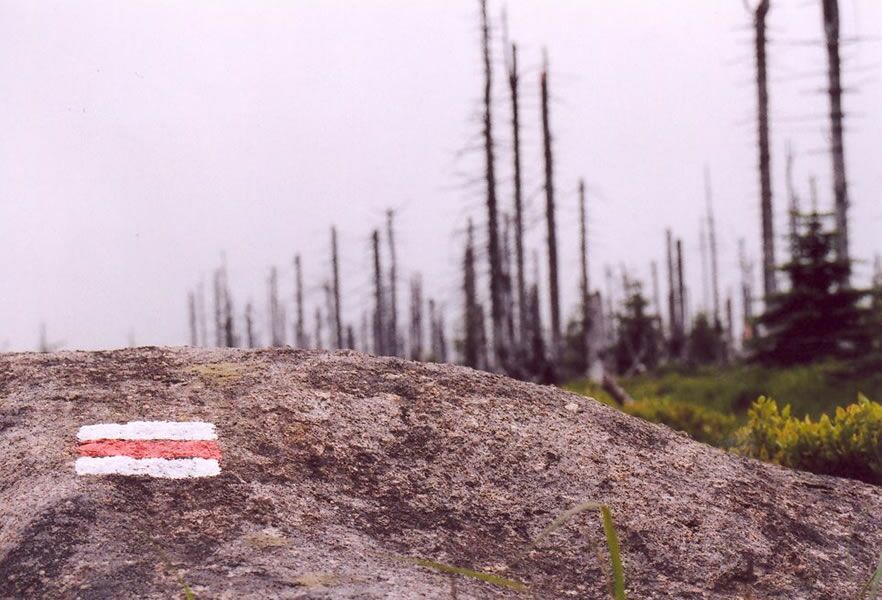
(338, 467)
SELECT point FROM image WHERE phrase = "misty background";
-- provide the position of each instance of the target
(141, 140)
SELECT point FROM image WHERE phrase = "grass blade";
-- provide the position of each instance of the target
(615, 554)
(873, 585)
(479, 575)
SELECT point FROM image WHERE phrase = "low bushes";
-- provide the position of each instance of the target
(701, 423)
(847, 445)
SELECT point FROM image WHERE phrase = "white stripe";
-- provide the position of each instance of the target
(177, 468)
(148, 430)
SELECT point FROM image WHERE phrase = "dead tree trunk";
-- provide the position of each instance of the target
(746, 291)
(765, 172)
(416, 318)
(433, 333)
(218, 310)
(702, 250)
(319, 339)
(365, 334)
(681, 298)
(470, 338)
(203, 317)
(513, 80)
(584, 283)
(497, 310)
(338, 319)
(793, 202)
(249, 326)
(300, 330)
(393, 286)
(350, 337)
(553, 279)
(329, 316)
(834, 91)
(191, 305)
(273, 321)
(514, 367)
(675, 332)
(379, 305)
(656, 297)
(712, 247)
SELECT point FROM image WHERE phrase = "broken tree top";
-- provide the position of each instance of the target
(334, 471)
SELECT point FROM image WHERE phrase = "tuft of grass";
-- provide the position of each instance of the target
(870, 591)
(511, 584)
(312, 580)
(265, 539)
(185, 589)
(617, 589)
(224, 372)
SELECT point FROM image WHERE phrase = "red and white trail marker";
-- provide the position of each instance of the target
(168, 449)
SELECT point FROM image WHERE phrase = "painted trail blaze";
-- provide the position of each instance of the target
(168, 449)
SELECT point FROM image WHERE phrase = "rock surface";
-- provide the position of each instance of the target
(339, 467)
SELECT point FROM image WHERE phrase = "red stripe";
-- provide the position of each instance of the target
(152, 448)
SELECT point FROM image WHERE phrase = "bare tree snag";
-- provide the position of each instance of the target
(584, 283)
(338, 317)
(553, 279)
(191, 306)
(513, 81)
(470, 325)
(416, 318)
(300, 330)
(834, 91)
(496, 306)
(712, 246)
(379, 304)
(765, 171)
(249, 326)
(393, 286)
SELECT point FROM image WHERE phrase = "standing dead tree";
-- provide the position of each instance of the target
(553, 279)
(379, 304)
(497, 310)
(250, 339)
(584, 289)
(335, 262)
(299, 329)
(319, 340)
(746, 292)
(513, 83)
(470, 351)
(712, 247)
(760, 12)
(217, 290)
(392, 334)
(191, 307)
(793, 204)
(203, 317)
(834, 91)
(275, 321)
(416, 318)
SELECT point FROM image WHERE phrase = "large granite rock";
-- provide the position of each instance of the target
(338, 468)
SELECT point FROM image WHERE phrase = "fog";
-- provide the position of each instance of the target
(143, 140)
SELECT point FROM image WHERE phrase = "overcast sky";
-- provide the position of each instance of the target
(140, 139)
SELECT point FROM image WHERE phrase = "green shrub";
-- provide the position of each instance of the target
(701, 423)
(848, 445)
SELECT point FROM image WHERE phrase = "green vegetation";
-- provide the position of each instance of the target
(846, 445)
(820, 315)
(870, 591)
(810, 390)
(617, 580)
(812, 431)
(617, 575)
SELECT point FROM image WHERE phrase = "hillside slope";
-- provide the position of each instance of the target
(337, 467)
